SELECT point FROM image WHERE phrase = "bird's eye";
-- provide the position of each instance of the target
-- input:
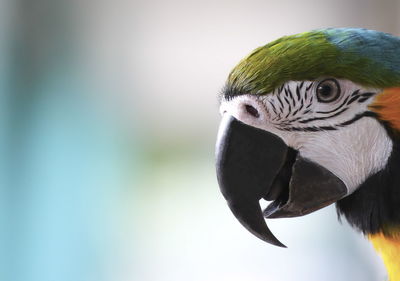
(328, 90)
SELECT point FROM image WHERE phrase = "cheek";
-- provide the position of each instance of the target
(352, 153)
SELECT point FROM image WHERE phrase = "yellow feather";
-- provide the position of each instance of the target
(389, 249)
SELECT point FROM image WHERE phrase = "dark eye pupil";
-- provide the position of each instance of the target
(328, 90)
(325, 90)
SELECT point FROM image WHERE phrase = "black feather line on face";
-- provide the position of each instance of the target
(273, 107)
(333, 110)
(353, 99)
(329, 128)
(294, 113)
(289, 107)
(375, 206)
(323, 118)
(298, 91)
(291, 97)
(309, 86)
(280, 104)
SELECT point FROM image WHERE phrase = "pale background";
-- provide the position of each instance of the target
(109, 115)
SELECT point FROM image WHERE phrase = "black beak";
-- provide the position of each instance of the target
(253, 164)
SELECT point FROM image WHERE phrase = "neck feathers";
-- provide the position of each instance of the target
(375, 204)
(374, 208)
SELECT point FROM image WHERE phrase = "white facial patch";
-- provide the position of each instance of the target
(352, 153)
(338, 135)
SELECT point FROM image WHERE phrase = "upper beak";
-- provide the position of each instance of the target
(253, 164)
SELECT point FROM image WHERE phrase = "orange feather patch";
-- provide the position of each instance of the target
(387, 106)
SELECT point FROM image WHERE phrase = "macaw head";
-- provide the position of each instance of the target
(309, 120)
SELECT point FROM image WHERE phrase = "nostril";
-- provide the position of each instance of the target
(252, 111)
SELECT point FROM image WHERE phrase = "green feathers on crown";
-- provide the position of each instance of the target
(367, 57)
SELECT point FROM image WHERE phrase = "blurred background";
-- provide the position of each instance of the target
(108, 120)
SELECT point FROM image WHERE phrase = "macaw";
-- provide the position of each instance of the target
(313, 119)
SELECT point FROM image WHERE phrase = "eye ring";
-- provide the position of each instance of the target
(328, 90)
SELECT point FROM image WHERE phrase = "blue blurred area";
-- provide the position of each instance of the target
(62, 163)
(61, 155)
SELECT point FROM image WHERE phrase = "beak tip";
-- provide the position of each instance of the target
(281, 245)
(274, 241)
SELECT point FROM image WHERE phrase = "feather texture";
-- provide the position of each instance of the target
(389, 249)
(369, 58)
(387, 107)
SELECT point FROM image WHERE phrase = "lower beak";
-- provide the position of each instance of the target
(253, 164)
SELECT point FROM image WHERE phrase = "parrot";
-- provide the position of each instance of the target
(313, 119)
